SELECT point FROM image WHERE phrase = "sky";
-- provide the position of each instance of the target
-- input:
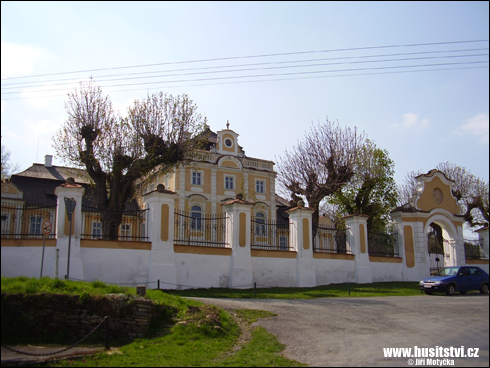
(412, 75)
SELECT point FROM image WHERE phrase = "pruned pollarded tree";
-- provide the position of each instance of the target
(372, 189)
(117, 151)
(470, 191)
(320, 165)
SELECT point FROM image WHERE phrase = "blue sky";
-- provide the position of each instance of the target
(421, 117)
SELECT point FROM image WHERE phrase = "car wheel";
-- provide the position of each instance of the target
(450, 289)
(463, 292)
(484, 289)
(428, 292)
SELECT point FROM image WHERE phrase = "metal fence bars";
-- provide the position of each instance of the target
(199, 229)
(473, 249)
(133, 227)
(382, 245)
(24, 221)
(269, 235)
(330, 240)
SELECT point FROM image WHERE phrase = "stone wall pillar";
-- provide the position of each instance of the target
(161, 205)
(483, 237)
(238, 236)
(300, 233)
(64, 243)
(358, 242)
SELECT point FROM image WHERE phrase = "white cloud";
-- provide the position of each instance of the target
(411, 121)
(19, 60)
(477, 125)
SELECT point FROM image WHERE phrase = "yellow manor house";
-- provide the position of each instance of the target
(217, 175)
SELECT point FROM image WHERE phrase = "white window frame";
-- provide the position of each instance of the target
(35, 222)
(125, 230)
(197, 177)
(260, 186)
(260, 220)
(196, 218)
(229, 179)
(96, 229)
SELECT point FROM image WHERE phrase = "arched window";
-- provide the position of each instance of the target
(196, 214)
(260, 224)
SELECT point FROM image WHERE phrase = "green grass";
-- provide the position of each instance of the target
(201, 336)
(326, 291)
(31, 285)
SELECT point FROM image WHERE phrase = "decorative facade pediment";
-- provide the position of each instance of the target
(10, 191)
(434, 191)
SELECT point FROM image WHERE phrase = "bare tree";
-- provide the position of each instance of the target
(320, 165)
(117, 151)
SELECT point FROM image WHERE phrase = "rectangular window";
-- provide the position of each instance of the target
(230, 182)
(35, 224)
(260, 186)
(283, 242)
(96, 230)
(196, 178)
(125, 231)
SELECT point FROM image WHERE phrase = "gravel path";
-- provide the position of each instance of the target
(353, 331)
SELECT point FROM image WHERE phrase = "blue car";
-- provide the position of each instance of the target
(452, 279)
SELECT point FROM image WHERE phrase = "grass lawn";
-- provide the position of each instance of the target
(326, 291)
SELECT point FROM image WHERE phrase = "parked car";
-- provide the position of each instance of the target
(452, 279)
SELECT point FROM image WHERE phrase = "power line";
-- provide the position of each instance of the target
(251, 56)
(271, 80)
(10, 87)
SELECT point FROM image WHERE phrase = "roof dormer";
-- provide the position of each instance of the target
(227, 142)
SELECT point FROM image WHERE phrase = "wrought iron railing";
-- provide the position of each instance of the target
(133, 227)
(269, 235)
(23, 221)
(382, 245)
(200, 230)
(330, 240)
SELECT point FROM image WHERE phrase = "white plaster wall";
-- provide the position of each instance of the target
(26, 261)
(334, 271)
(201, 271)
(125, 267)
(385, 271)
(271, 272)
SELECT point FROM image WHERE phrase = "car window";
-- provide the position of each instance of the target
(475, 271)
(464, 271)
(448, 271)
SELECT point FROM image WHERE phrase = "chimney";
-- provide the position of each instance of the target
(48, 161)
